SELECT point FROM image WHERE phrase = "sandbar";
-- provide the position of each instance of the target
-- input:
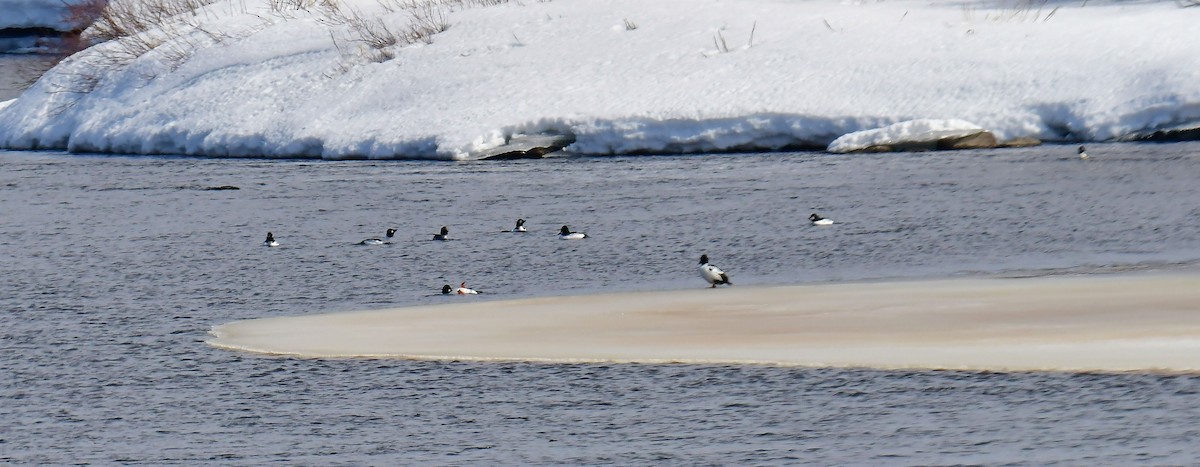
(1119, 322)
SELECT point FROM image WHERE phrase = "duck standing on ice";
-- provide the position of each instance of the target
(816, 219)
(270, 241)
(565, 233)
(712, 274)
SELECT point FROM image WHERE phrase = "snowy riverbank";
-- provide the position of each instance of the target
(615, 77)
(38, 26)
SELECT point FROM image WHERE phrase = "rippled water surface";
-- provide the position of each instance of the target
(115, 269)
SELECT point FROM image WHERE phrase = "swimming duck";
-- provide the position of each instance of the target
(1082, 152)
(270, 241)
(461, 290)
(712, 274)
(445, 235)
(565, 233)
(818, 220)
(520, 226)
(378, 241)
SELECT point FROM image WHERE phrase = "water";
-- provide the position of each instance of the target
(19, 71)
(115, 268)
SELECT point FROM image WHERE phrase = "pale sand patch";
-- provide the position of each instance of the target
(1107, 323)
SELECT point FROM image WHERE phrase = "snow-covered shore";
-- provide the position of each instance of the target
(618, 76)
(33, 14)
(33, 25)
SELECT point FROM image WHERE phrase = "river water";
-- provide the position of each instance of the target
(115, 268)
(19, 71)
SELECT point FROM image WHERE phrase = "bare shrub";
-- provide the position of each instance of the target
(140, 26)
(70, 43)
(373, 33)
(1015, 11)
(411, 5)
(28, 72)
(719, 42)
(279, 6)
(69, 87)
(426, 22)
(76, 83)
(83, 13)
(124, 18)
(124, 30)
(426, 18)
(723, 47)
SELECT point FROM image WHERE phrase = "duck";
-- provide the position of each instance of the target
(520, 226)
(712, 274)
(444, 235)
(270, 241)
(565, 233)
(461, 290)
(816, 219)
(1083, 152)
(378, 241)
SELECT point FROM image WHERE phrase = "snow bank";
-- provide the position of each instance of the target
(621, 76)
(34, 14)
(914, 131)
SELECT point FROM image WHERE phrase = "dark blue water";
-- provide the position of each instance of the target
(116, 268)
